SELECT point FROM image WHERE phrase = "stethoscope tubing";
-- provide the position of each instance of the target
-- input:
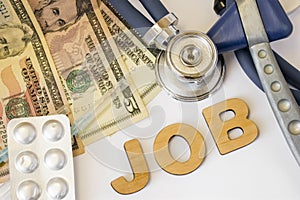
(157, 11)
(132, 16)
(155, 8)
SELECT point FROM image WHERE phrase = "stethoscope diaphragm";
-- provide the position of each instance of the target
(190, 68)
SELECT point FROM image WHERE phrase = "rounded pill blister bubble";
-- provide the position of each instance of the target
(27, 162)
(28, 190)
(53, 130)
(57, 188)
(55, 159)
(24, 133)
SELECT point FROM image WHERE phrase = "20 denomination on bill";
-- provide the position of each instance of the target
(139, 60)
(90, 64)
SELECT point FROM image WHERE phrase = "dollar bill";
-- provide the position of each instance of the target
(30, 84)
(139, 60)
(90, 65)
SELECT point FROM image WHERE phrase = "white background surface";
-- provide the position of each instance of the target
(263, 170)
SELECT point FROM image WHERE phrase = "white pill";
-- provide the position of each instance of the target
(28, 190)
(57, 188)
(55, 159)
(27, 162)
(53, 130)
(24, 133)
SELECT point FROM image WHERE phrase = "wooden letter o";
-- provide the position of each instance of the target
(165, 159)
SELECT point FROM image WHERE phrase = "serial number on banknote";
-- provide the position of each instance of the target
(3, 132)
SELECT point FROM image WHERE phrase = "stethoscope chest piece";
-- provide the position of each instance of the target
(190, 69)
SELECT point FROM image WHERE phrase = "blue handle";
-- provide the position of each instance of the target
(276, 21)
(290, 73)
(155, 8)
(132, 16)
(296, 94)
(228, 33)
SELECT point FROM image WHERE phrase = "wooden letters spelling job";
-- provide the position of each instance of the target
(219, 128)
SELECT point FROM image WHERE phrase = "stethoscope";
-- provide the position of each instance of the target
(194, 69)
(190, 66)
(290, 73)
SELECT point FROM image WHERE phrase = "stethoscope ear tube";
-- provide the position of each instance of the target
(155, 8)
(136, 19)
(156, 34)
(219, 34)
(132, 16)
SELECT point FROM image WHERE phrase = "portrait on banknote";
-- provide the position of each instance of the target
(90, 66)
(14, 39)
(58, 15)
(30, 83)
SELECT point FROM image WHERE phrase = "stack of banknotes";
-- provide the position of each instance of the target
(75, 57)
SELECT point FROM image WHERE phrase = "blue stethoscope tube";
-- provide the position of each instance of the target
(132, 16)
(157, 10)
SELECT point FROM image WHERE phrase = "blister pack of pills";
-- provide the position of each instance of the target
(40, 158)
